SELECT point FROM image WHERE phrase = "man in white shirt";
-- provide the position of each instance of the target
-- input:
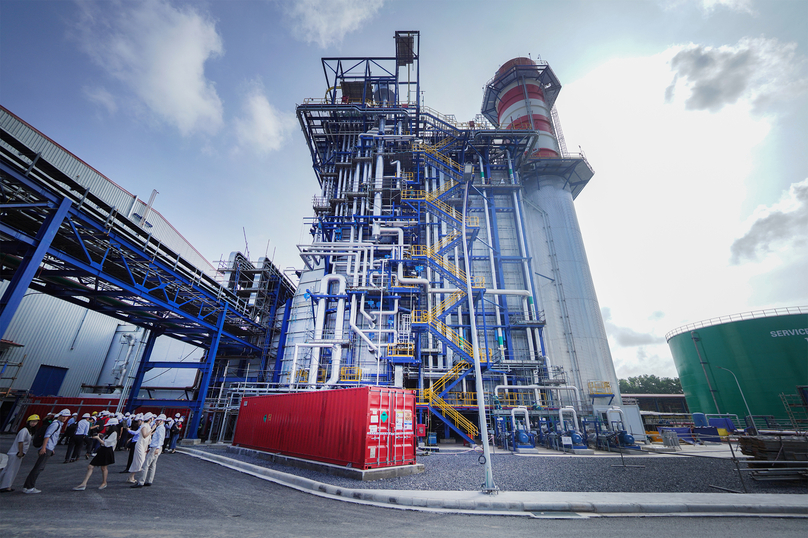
(146, 476)
(79, 439)
(48, 444)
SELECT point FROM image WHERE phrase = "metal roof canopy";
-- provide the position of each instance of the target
(99, 260)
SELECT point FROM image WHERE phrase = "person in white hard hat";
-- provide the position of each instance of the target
(77, 440)
(176, 430)
(167, 425)
(107, 438)
(146, 476)
(132, 433)
(18, 450)
(45, 453)
(141, 447)
(68, 430)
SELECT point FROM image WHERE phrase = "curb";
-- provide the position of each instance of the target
(432, 501)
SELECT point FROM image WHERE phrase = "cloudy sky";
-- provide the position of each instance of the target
(692, 112)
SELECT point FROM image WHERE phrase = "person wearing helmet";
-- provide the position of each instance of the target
(17, 452)
(79, 440)
(176, 430)
(146, 475)
(107, 438)
(141, 447)
(69, 430)
(45, 453)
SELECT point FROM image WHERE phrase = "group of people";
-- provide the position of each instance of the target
(146, 436)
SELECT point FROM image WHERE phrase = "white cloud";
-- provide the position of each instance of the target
(780, 227)
(261, 128)
(760, 70)
(158, 52)
(743, 6)
(325, 22)
(101, 96)
(645, 360)
(665, 204)
(708, 7)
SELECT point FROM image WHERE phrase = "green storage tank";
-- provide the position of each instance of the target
(767, 350)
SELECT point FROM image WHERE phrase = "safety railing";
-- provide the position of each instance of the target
(401, 350)
(447, 240)
(440, 205)
(451, 413)
(447, 186)
(518, 398)
(737, 317)
(444, 305)
(417, 251)
(439, 156)
(350, 373)
(453, 373)
(600, 387)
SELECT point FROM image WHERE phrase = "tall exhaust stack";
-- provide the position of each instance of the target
(521, 96)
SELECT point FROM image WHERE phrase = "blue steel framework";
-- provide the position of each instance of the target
(58, 238)
(389, 167)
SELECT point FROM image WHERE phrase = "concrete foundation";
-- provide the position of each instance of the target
(327, 468)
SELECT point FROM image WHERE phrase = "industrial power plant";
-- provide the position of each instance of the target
(444, 296)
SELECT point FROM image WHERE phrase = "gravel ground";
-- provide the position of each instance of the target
(461, 471)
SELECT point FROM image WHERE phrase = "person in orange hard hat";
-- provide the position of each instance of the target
(17, 452)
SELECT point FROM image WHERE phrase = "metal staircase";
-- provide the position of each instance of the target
(434, 256)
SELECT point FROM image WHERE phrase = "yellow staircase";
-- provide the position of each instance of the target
(440, 206)
(458, 274)
(438, 155)
(451, 413)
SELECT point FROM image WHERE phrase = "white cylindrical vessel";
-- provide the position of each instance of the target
(575, 333)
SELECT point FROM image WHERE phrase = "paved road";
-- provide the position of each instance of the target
(196, 498)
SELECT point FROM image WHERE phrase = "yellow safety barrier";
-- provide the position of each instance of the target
(600, 387)
(406, 350)
(350, 373)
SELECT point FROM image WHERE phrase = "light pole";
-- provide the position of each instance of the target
(748, 412)
(488, 485)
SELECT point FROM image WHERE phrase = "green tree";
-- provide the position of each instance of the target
(650, 384)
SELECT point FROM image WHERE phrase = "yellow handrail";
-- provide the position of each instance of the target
(451, 413)
(441, 307)
(401, 349)
(453, 373)
(421, 250)
(412, 194)
(445, 159)
(447, 240)
(350, 373)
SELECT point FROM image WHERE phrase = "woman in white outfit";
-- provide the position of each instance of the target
(141, 447)
(17, 452)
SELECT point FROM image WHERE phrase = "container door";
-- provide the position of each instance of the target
(376, 450)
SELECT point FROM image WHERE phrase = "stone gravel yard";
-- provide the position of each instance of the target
(458, 470)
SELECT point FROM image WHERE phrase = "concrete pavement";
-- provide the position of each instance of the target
(535, 504)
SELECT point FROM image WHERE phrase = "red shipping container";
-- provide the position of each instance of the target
(363, 428)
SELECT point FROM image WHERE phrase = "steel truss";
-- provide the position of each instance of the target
(60, 239)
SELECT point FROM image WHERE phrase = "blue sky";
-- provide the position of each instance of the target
(692, 113)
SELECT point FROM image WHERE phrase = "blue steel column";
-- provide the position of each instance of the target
(276, 374)
(193, 427)
(141, 370)
(30, 264)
